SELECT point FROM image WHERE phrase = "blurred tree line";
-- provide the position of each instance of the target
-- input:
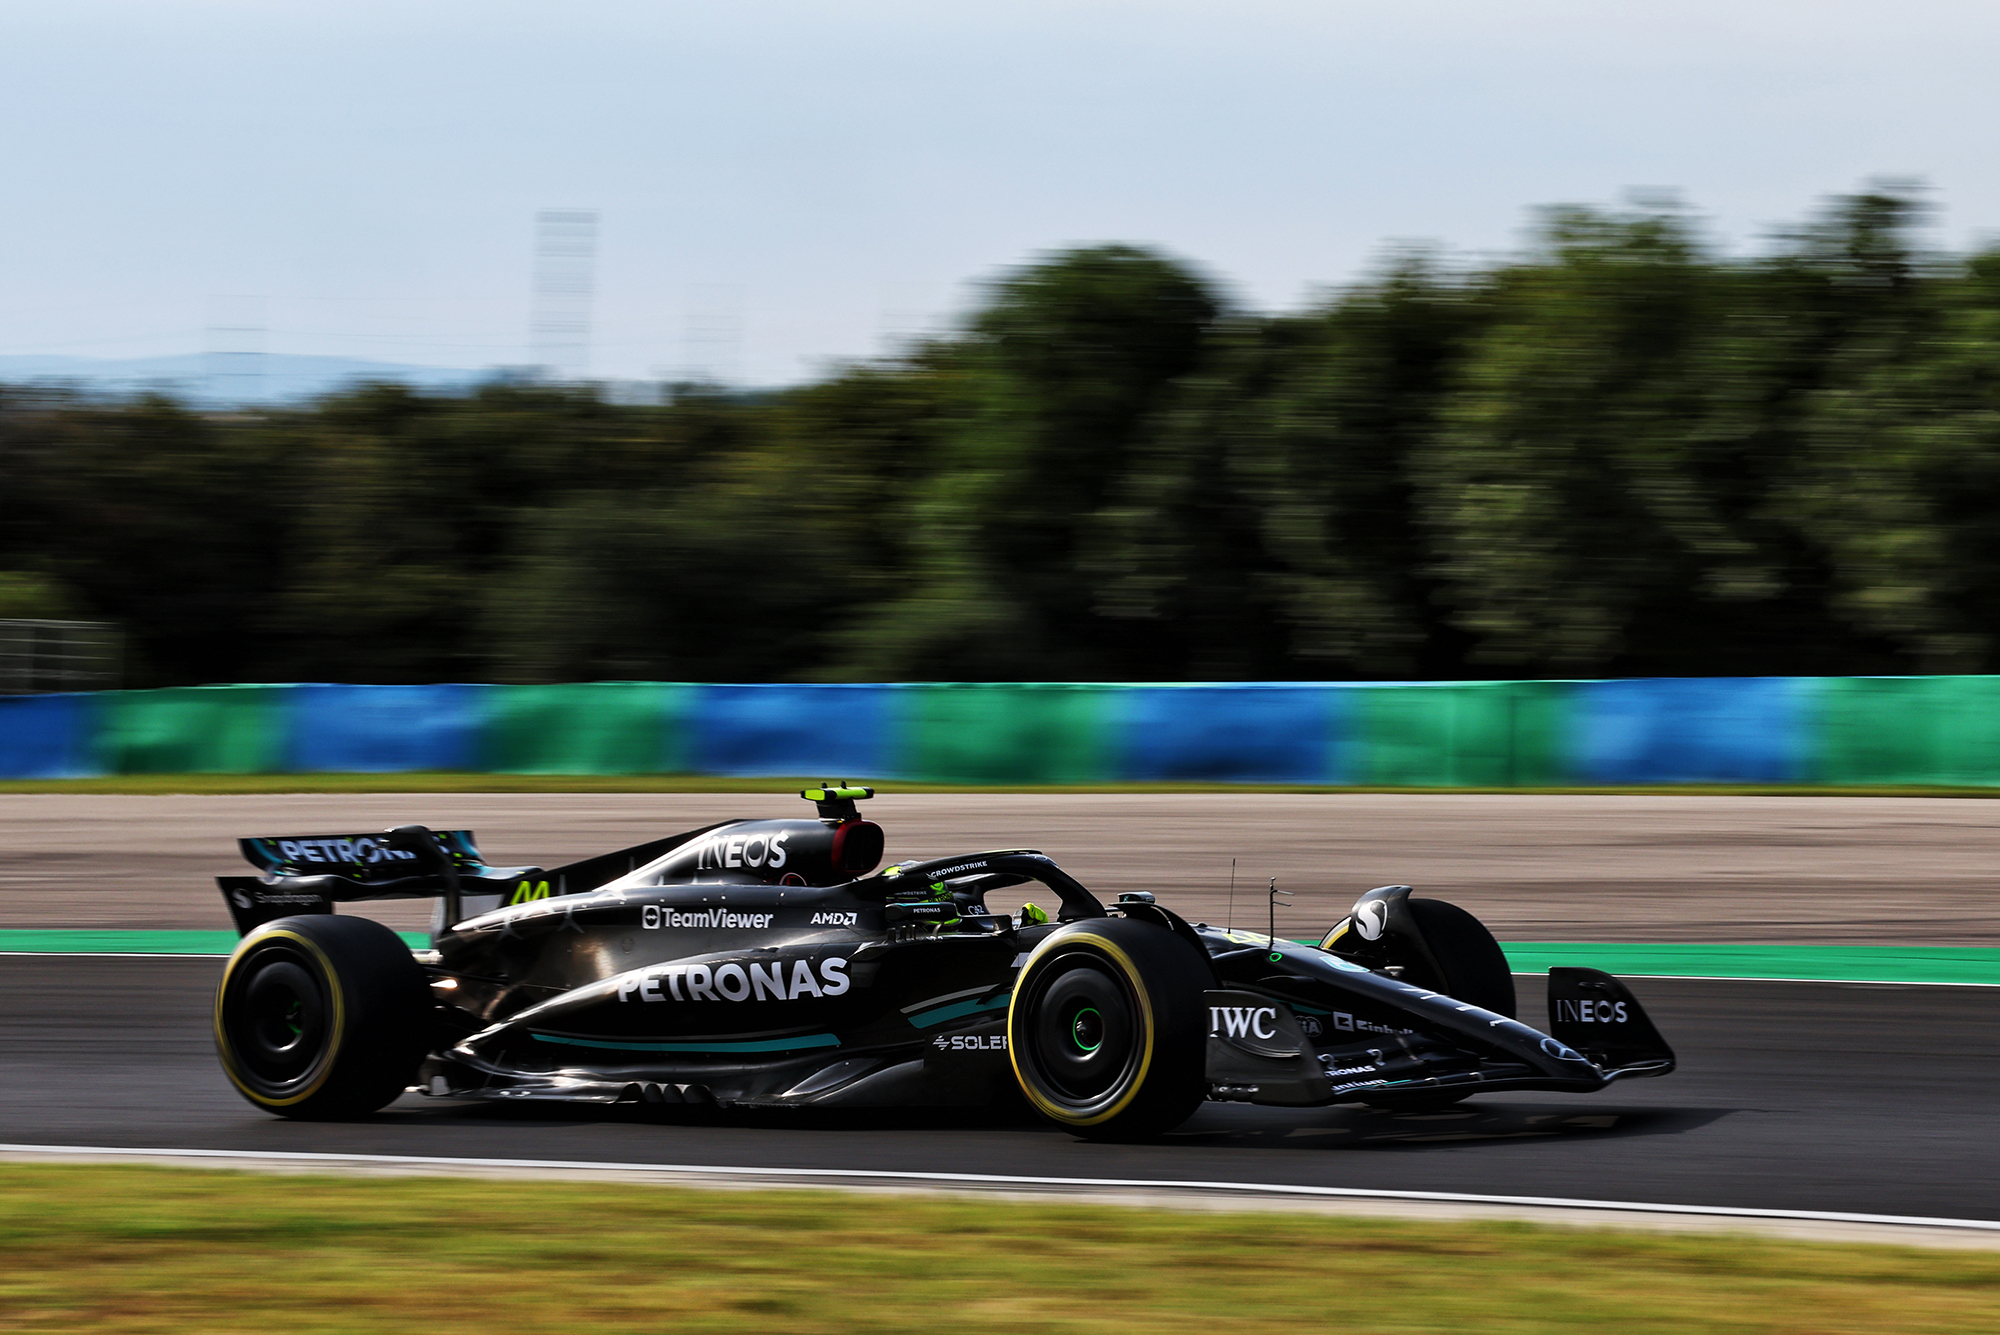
(1619, 453)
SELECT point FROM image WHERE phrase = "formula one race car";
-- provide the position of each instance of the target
(758, 963)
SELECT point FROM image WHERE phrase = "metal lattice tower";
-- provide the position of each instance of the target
(565, 281)
(233, 362)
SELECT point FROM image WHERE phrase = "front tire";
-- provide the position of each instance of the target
(321, 1017)
(1105, 1029)
(1475, 970)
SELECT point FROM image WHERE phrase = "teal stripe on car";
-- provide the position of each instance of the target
(960, 1008)
(749, 1045)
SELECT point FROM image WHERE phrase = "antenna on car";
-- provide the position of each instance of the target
(836, 800)
(1230, 921)
(1273, 901)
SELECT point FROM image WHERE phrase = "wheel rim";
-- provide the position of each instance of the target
(1086, 1031)
(275, 1013)
(1085, 1035)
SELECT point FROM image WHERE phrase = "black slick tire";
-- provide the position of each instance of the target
(1475, 968)
(1475, 971)
(321, 1017)
(1106, 1029)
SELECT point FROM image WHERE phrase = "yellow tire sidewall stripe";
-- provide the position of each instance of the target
(338, 1027)
(1134, 981)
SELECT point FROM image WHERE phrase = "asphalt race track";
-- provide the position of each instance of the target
(1845, 1098)
(1795, 1096)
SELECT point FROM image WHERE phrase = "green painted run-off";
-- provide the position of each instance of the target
(1850, 964)
(1843, 964)
(96, 941)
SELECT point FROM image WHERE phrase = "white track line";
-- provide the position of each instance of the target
(846, 1175)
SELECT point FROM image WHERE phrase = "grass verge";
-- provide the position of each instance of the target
(145, 785)
(116, 1249)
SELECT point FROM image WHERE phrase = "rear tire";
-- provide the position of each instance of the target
(321, 1017)
(1106, 1029)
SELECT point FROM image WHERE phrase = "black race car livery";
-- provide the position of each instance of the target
(767, 963)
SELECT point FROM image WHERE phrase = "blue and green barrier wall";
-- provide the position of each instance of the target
(1481, 734)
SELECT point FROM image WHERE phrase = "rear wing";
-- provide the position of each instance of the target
(311, 873)
(362, 858)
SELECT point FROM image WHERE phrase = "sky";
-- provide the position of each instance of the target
(784, 185)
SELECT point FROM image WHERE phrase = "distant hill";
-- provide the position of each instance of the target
(231, 380)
